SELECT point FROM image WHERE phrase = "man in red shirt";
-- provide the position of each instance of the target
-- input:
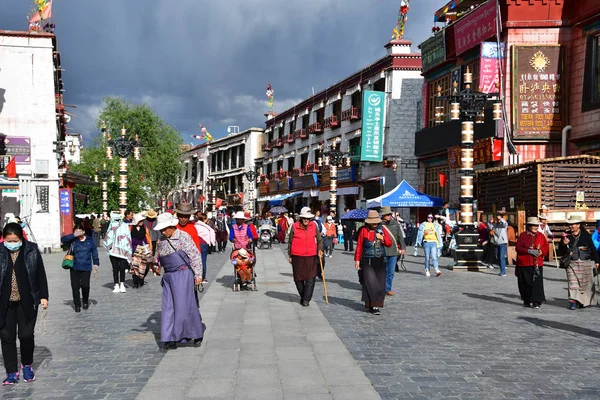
(184, 211)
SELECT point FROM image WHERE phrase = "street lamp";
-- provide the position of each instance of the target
(251, 176)
(124, 148)
(334, 158)
(104, 174)
(468, 105)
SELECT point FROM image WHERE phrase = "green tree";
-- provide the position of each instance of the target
(153, 175)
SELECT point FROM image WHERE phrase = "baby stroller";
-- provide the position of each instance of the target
(243, 270)
(265, 237)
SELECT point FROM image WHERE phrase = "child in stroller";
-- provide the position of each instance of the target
(243, 263)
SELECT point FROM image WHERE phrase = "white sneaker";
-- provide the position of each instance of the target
(427, 273)
(438, 272)
(122, 288)
(490, 266)
(116, 289)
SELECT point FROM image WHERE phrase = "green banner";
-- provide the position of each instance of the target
(373, 123)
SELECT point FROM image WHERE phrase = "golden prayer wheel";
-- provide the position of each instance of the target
(497, 111)
(466, 186)
(466, 159)
(455, 111)
(466, 213)
(467, 134)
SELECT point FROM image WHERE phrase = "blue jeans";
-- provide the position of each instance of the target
(501, 254)
(204, 250)
(431, 251)
(390, 269)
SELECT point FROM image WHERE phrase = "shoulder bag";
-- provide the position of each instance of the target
(68, 259)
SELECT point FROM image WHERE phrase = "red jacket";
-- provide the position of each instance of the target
(192, 231)
(304, 241)
(528, 241)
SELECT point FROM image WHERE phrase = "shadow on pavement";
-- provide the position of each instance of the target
(352, 304)
(152, 324)
(42, 357)
(344, 283)
(226, 281)
(489, 298)
(562, 326)
(71, 304)
(556, 302)
(283, 296)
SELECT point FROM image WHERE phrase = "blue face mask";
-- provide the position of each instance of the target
(13, 246)
(22, 224)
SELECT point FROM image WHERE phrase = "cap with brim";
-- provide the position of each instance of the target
(532, 221)
(151, 213)
(165, 220)
(373, 217)
(386, 211)
(239, 215)
(184, 209)
(243, 253)
(574, 219)
(542, 216)
(305, 213)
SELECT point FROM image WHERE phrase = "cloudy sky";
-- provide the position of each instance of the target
(209, 61)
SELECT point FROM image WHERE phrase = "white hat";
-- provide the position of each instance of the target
(115, 215)
(574, 219)
(137, 218)
(240, 215)
(305, 213)
(243, 253)
(542, 216)
(165, 220)
(329, 218)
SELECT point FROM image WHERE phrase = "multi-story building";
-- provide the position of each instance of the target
(229, 160)
(293, 167)
(191, 184)
(73, 146)
(32, 128)
(540, 57)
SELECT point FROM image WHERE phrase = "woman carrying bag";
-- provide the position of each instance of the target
(85, 259)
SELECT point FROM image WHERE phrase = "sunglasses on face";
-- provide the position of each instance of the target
(429, 217)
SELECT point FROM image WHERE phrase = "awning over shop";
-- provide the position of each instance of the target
(404, 195)
(8, 184)
(78, 179)
(278, 198)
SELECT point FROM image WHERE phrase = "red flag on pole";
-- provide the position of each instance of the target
(307, 164)
(443, 179)
(202, 199)
(218, 203)
(11, 168)
(241, 195)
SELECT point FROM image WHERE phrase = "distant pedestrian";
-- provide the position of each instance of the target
(531, 248)
(430, 239)
(499, 226)
(369, 261)
(397, 248)
(348, 227)
(141, 250)
(97, 227)
(207, 239)
(305, 244)
(222, 233)
(23, 286)
(85, 260)
(150, 223)
(180, 258)
(118, 246)
(330, 236)
(581, 261)
(241, 234)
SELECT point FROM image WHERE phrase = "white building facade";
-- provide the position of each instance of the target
(191, 184)
(31, 121)
(73, 146)
(293, 164)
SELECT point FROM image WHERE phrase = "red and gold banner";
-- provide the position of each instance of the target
(483, 152)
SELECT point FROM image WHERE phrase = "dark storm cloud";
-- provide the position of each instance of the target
(209, 61)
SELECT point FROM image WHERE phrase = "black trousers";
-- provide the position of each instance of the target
(16, 321)
(348, 243)
(305, 289)
(80, 279)
(119, 266)
(221, 245)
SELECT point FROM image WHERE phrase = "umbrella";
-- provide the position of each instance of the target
(278, 210)
(360, 214)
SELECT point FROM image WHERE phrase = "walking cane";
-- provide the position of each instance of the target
(324, 282)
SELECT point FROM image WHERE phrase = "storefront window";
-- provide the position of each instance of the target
(433, 185)
(591, 81)
(444, 83)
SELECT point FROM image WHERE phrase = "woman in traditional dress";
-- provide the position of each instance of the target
(282, 228)
(369, 260)
(579, 258)
(532, 247)
(141, 246)
(180, 258)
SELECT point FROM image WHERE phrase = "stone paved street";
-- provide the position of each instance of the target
(466, 335)
(108, 351)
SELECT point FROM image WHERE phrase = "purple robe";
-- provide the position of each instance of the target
(180, 319)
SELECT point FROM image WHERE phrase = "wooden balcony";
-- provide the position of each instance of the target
(289, 138)
(278, 143)
(315, 128)
(311, 168)
(300, 134)
(267, 147)
(331, 122)
(350, 114)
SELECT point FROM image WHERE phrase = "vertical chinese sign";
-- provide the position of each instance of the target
(489, 66)
(538, 92)
(373, 122)
(65, 205)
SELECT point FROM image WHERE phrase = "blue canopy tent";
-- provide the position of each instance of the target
(278, 200)
(404, 195)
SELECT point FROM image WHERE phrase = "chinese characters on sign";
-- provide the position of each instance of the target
(489, 74)
(373, 123)
(537, 99)
(17, 146)
(475, 27)
(433, 51)
(65, 202)
(42, 193)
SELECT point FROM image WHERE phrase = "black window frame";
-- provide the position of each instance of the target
(591, 101)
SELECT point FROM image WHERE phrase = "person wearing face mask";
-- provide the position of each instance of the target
(85, 259)
(23, 287)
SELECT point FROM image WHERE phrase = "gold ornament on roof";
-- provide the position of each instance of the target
(539, 62)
